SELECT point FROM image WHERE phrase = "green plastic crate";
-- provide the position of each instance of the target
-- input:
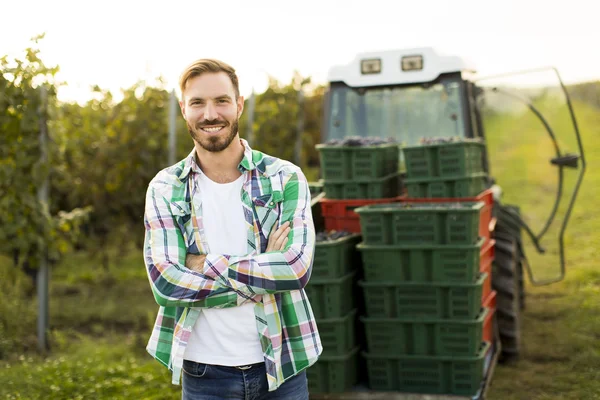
(420, 223)
(338, 334)
(333, 374)
(466, 186)
(445, 160)
(428, 337)
(331, 298)
(435, 300)
(427, 374)
(337, 258)
(425, 263)
(376, 188)
(361, 163)
(315, 187)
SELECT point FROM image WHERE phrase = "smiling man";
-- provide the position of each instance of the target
(228, 250)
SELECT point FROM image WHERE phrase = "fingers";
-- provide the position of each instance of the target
(273, 235)
(282, 240)
(195, 262)
(278, 237)
(270, 242)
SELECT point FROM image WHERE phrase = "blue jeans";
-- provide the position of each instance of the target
(215, 382)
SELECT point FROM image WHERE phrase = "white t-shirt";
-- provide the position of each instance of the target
(224, 336)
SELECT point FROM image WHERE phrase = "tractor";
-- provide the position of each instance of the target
(419, 93)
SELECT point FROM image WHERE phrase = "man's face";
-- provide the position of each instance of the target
(211, 110)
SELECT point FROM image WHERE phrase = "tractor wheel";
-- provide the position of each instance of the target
(507, 282)
(521, 277)
(507, 228)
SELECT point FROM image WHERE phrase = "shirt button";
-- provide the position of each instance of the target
(271, 203)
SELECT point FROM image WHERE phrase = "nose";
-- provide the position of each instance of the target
(210, 111)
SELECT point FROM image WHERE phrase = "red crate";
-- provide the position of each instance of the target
(487, 284)
(485, 216)
(339, 215)
(490, 301)
(486, 256)
(488, 326)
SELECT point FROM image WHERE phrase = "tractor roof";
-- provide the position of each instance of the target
(396, 67)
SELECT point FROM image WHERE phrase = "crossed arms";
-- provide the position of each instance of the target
(217, 280)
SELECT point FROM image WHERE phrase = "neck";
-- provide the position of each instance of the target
(221, 167)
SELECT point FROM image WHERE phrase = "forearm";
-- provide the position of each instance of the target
(173, 285)
(275, 271)
(272, 272)
(164, 254)
(198, 264)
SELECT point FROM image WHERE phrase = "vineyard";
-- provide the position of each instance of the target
(103, 153)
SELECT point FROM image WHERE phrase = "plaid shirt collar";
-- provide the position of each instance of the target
(190, 164)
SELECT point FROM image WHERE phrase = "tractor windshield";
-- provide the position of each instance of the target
(405, 113)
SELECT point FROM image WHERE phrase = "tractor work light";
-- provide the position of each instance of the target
(370, 66)
(412, 63)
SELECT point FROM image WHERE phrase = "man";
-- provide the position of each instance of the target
(228, 249)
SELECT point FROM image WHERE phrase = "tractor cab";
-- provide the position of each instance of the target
(406, 95)
(409, 95)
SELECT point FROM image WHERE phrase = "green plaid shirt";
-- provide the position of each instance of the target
(274, 191)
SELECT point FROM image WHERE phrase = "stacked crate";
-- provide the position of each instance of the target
(359, 172)
(355, 173)
(445, 169)
(355, 176)
(331, 295)
(427, 273)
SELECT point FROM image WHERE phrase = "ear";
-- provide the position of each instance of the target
(182, 107)
(240, 105)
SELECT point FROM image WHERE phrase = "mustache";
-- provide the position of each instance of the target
(207, 122)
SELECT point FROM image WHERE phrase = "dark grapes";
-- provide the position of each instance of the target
(432, 206)
(442, 140)
(360, 141)
(331, 235)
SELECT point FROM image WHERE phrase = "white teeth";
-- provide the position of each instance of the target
(212, 129)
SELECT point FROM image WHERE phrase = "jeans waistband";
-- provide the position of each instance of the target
(245, 367)
(240, 367)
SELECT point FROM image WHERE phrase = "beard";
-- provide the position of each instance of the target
(214, 143)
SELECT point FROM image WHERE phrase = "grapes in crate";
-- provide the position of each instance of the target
(359, 141)
(443, 140)
(431, 206)
(331, 235)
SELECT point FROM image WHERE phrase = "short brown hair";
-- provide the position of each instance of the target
(205, 65)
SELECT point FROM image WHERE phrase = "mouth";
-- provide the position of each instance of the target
(212, 129)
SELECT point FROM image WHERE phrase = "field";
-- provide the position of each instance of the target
(101, 318)
(561, 327)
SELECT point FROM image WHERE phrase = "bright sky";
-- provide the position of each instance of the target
(115, 43)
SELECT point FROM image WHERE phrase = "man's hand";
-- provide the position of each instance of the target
(277, 242)
(195, 262)
(278, 238)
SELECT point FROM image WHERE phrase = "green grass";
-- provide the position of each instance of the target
(88, 368)
(101, 317)
(561, 327)
(100, 321)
